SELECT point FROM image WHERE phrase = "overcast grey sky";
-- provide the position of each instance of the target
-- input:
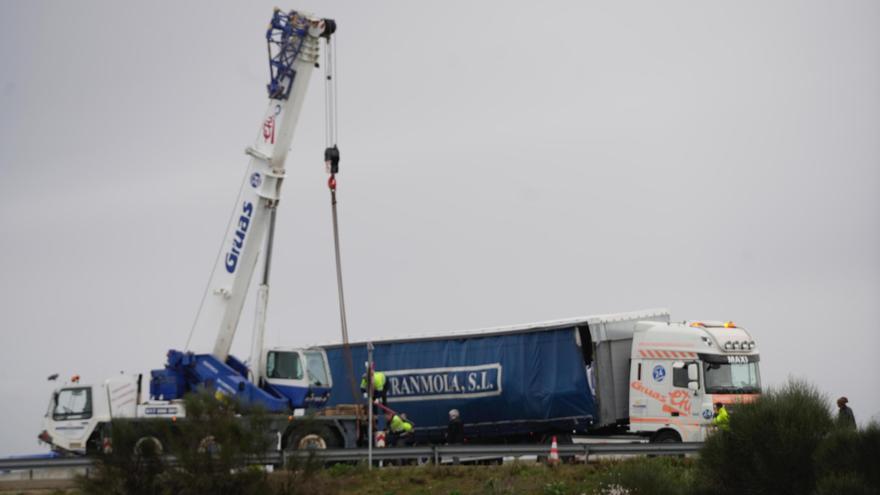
(502, 162)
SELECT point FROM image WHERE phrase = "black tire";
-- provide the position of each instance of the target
(421, 461)
(666, 436)
(148, 446)
(209, 445)
(318, 437)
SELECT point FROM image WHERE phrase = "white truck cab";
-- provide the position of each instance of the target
(679, 370)
(76, 413)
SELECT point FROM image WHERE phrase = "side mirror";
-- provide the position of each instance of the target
(693, 372)
(694, 385)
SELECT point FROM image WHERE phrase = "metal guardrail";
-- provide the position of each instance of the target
(436, 454)
(45, 463)
(276, 458)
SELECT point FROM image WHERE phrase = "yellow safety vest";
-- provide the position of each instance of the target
(398, 425)
(378, 381)
(722, 420)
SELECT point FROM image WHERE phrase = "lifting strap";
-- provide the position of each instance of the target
(331, 161)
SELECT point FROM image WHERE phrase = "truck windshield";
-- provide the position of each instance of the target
(724, 378)
(317, 369)
(73, 403)
(284, 365)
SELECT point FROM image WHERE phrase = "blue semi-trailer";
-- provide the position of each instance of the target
(518, 382)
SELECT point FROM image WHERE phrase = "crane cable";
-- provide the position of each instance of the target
(331, 161)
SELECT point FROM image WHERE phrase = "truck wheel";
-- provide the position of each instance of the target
(666, 436)
(209, 445)
(148, 447)
(420, 461)
(314, 437)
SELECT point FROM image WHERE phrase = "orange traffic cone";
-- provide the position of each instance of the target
(554, 453)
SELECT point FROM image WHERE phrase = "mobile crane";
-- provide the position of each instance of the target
(280, 380)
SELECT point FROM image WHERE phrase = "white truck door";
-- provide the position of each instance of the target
(71, 417)
(685, 400)
(650, 395)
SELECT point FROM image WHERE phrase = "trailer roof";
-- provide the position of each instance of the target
(525, 327)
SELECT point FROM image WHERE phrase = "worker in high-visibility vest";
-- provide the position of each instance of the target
(399, 429)
(379, 390)
(722, 419)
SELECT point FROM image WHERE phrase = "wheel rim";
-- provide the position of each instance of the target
(209, 445)
(312, 441)
(142, 446)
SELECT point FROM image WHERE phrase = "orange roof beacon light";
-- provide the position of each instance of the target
(698, 324)
(730, 324)
(74, 379)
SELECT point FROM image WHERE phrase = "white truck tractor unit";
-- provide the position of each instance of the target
(633, 373)
(677, 371)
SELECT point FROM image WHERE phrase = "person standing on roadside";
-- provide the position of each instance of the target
(845, 416)
(455, 428)
(454, 432)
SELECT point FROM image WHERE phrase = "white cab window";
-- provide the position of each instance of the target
(732, 378)
(317, 369)
(73, 403)
(284, 365)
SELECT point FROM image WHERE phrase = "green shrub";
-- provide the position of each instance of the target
(554, 488)
(211, 446)
(847, 484)
(770, 446)
(134, 465)
(849, 457)
(340, 470)
(649, 476)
